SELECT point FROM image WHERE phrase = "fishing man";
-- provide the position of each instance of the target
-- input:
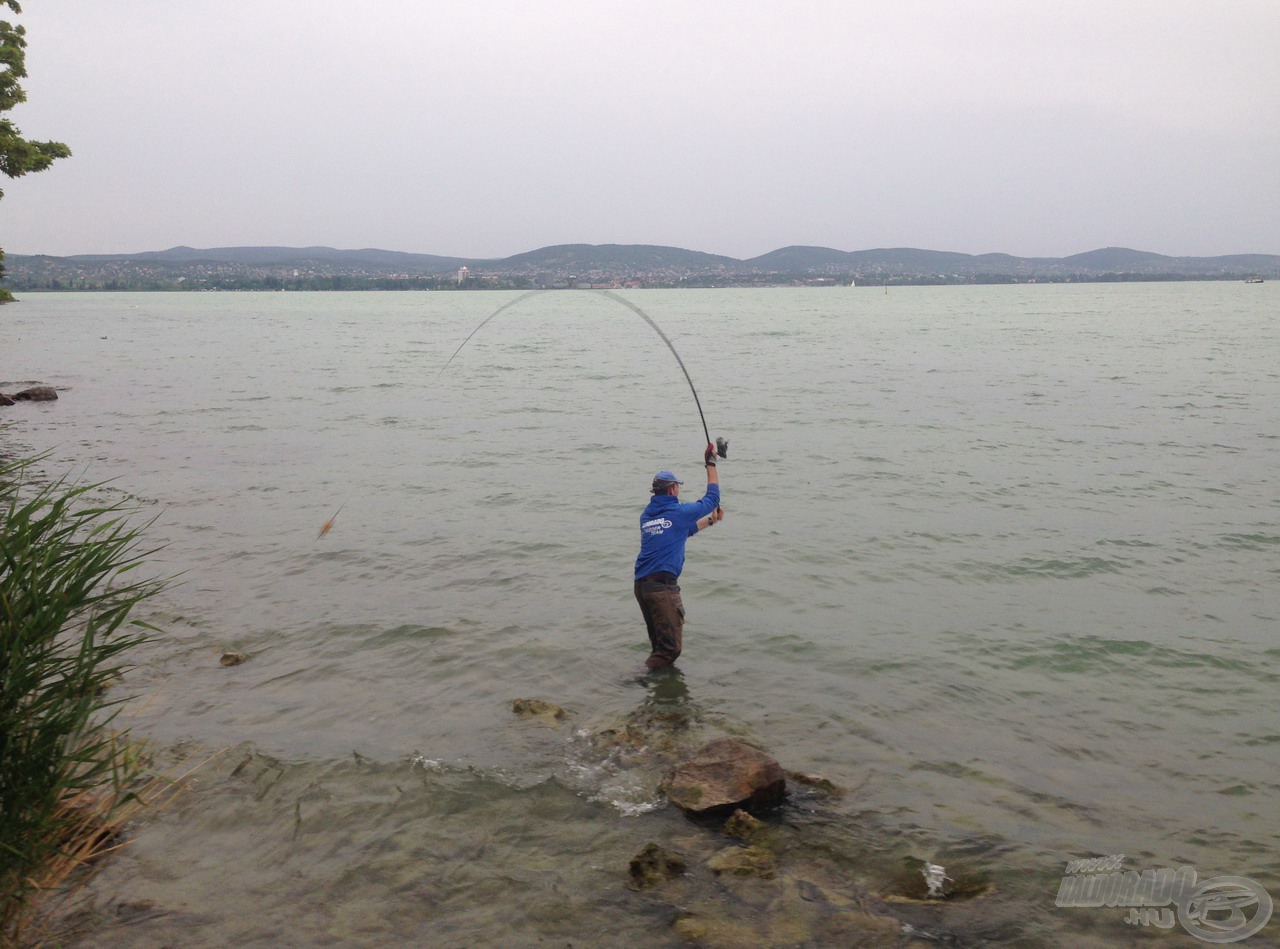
(665, 525)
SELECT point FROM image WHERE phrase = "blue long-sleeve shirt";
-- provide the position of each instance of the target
(665, 525)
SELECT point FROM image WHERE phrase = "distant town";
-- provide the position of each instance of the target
(599, 266)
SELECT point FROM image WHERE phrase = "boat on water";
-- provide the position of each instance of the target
(1253, 280)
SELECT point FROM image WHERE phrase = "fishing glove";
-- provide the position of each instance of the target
(710, 455)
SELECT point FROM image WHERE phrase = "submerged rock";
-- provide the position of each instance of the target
(138, 911)
(744, 862)
(816, 782)
(536, 708)
(743, 826)
(725, 773)
(36, 394)
(716, 931)
(5, 400)
(233, 658)
(653, 865)
(865, 929)
(846, 929)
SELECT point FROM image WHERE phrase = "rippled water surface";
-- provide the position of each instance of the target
(1001, 562)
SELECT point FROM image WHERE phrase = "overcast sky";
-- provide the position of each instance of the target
(490, 128)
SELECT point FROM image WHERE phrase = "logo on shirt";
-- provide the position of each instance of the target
(655, 526)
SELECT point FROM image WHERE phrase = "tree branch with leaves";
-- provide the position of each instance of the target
(18, 156)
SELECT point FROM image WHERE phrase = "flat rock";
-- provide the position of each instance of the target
(816, 782)
(716, 931)
(866, 929)
(36, 394)
(725, 773)
(743, 862)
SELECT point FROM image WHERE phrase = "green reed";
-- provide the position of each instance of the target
(69, 579)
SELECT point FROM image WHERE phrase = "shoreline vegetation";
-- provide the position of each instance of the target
(346, 284)
(69, 778)
(602, 266)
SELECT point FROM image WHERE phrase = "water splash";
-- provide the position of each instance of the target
(934, 877)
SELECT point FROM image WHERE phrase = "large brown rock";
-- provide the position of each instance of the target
(725, 773)
(36, 394)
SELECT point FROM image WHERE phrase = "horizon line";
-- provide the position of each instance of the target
(303, 247)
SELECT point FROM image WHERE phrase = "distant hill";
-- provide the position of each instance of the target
(634, 258)
(894, 260)
(1094, 264)
(569, 264)
(288, 256)
(1117, 259)
(800, 258)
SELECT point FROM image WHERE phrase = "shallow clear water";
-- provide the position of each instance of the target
(1001, 561)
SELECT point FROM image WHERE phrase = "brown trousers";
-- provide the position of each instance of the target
(663, 618)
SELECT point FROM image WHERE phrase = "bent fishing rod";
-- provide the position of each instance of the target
(722, 446)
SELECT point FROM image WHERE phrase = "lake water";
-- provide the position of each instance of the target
(1001, 562)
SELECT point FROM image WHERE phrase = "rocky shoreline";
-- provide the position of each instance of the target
(743, 873)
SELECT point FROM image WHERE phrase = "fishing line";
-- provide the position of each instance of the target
(505, 306)
(645, 316)
(328, 525)
(633, 308)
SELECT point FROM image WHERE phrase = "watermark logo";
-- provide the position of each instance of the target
(1219, 910)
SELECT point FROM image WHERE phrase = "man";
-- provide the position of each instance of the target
(665, 525)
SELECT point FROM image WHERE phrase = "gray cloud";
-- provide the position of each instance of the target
(732, 127)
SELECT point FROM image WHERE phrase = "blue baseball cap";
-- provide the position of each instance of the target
(667, 475)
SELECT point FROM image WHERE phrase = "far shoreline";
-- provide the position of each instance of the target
(475, 284)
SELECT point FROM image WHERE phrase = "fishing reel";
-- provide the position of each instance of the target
(722, 447)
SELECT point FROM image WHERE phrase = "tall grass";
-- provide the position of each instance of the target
(69, 579)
